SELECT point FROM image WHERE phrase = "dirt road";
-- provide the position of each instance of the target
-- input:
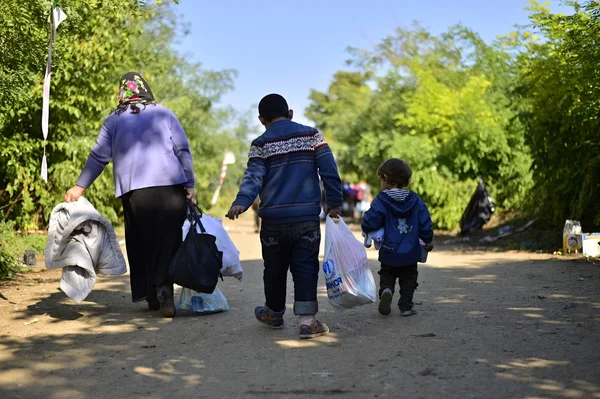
(490, 325)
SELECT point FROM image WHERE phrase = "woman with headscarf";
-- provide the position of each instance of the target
(153, 174)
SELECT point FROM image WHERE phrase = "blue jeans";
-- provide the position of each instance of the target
(293, 246)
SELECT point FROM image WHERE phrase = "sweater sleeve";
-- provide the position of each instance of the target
(99, 157)
(181, 147)
(328, 171)
(374, 218)
(252, 181)
(425, 224)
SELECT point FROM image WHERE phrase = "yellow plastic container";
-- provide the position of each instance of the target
(572, 243)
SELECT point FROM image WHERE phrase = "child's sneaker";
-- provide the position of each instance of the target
(408, 312)
(385, 302)
(264, 317)
(315, 329)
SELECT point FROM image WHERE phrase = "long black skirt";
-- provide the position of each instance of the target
(153, 220)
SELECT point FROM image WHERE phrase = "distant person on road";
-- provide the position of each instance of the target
(405, 219)
(284, 166)
(154, 174)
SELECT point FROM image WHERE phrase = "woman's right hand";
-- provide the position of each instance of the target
(190, 194)
(74, 193)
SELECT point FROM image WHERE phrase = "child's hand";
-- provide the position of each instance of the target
(429, 247)
(235, 212)
(334, 211)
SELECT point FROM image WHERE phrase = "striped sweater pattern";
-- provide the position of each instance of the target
(286, 165)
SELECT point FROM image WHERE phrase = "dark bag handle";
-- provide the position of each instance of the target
(195, 214)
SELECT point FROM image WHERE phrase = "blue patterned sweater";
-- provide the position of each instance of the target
(284, 166)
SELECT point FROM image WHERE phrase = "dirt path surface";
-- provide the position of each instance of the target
(490, 325)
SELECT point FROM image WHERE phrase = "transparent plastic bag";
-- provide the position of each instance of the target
(348, 278)
(200, 303)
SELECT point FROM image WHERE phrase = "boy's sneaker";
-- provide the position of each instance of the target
(264, 317)
(408, 312)
(385, 302)
(315, 329)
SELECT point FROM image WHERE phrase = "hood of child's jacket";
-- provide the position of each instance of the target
(400, 202)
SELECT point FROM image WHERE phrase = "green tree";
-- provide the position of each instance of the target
(334, 114)
(97, 43)
(441, 103)
(560, 86)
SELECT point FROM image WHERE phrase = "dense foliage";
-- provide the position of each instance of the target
(521, 112)
(97, 43)
(560, 89)
(442, 104)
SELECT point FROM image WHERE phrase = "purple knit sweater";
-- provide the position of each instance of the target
(148, 149)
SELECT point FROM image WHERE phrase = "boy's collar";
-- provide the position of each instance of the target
(277, 123)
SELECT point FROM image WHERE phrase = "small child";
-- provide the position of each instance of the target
(405, 219)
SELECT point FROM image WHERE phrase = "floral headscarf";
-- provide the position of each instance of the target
(134, 88)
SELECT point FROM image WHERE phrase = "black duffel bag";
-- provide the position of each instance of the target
(479, 210)
(198, 262)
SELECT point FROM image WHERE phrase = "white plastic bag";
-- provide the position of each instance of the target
(231, 255)
(348, 278)
(200, 303)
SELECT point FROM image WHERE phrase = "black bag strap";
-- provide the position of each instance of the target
(195, 214)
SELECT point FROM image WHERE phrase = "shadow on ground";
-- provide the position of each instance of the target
(488, 326)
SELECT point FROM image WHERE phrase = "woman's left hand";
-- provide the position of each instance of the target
(191, 194)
